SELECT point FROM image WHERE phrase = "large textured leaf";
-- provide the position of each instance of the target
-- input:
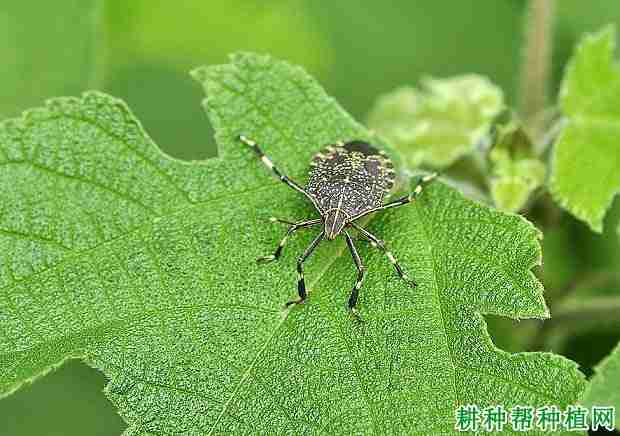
(586, 161)
(440, 123)
(604, 388)
(145, 266)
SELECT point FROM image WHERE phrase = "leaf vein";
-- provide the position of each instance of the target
(35, 237)
(90, 182)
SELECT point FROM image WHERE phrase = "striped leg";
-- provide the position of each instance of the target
(283, 178)
(292, 229)
(422, 182)
(301, 283)
(379, 243)
(361, 272)
(281, 221)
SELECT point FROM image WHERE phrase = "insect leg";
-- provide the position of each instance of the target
(422, 182)
(301, 283)
(292, 229)
(267, 162)
(379, 243)
(361, 272)
(281, 221)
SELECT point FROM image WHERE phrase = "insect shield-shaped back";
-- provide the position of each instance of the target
(347, 180)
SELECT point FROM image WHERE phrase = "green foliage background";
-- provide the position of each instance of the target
(141, 53)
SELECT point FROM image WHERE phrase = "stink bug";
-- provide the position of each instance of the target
(347, 182)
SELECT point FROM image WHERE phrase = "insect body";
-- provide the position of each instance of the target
(347, 181)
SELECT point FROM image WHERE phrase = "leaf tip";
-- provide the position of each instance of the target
(199, 74)
(594, 220)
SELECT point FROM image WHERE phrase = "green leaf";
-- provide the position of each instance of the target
(145, 267)
(440, 123)
(586, 160)
(604, 387)
(51, 51)
(516, 172)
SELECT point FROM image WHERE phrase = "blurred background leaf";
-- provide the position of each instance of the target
(516, 171)
(47, 49)
(585, 177)
(68, 402)
(141, 52)
(440, 122)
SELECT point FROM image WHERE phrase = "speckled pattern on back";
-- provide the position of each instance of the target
(353, 177)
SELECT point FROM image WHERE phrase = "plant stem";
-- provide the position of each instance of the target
(536, 63)
(571, 318)
(597, 309)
